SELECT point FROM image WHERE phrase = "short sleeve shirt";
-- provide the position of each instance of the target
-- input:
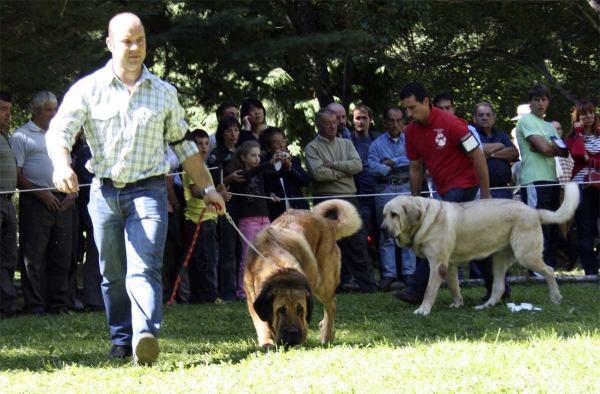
(437, 143)
(536, 167)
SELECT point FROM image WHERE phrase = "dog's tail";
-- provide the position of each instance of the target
(566, 210)
(344, 215)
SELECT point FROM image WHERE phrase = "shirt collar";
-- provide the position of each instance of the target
(320, 137)
(109, 74)
(33, 127)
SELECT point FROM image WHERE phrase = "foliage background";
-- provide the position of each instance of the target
(299, 55)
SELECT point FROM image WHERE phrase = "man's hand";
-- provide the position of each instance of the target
(485, 196)
(65, 179)
(48, 199)
(68, 201)
(328, 164)
(388, 163)
(214, 202)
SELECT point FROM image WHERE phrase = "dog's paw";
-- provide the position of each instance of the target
(267, 347)
(556, 298)
(422, 311)
(456, 304)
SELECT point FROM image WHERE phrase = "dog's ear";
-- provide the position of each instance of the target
(310, 304)
(263, 305)
(413, 213)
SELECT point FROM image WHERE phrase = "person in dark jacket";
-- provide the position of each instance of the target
(285, 184)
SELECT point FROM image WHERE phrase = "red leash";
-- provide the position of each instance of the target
(187, 258)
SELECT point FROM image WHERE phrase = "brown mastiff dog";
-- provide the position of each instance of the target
(451, 233)
(302, 259)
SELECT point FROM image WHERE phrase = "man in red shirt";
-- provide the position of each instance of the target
(452, 156)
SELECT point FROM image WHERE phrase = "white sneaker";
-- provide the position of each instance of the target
(146, 350)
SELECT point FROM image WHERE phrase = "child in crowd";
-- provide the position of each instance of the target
(253, 211)
(202, 267)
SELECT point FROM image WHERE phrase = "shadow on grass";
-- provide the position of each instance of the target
(193, 335)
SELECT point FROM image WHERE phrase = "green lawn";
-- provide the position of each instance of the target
(381, 347)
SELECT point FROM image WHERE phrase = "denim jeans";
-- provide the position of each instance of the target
(387, 246)
(202, 267)
(130, 229)
(249, 227)
(586, 218)
(418, 282)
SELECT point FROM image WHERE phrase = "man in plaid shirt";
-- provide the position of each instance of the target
(129, 116)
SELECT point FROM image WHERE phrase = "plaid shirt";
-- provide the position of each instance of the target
(127, 132)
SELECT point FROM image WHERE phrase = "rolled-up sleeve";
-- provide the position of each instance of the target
(176, 129)
(69, 119)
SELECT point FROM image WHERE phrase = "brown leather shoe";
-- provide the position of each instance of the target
(385, 283)
(407, 297)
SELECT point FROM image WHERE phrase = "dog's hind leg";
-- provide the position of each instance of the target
(538, 265)
(501, 260)
(327, 325)
(436, 275)
(453, 286)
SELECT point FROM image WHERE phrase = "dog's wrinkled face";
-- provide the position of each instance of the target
(399, 216)
(288, 312)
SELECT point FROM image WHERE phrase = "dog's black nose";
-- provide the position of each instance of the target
(291, 337)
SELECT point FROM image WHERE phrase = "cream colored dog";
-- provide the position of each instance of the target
(451, 233)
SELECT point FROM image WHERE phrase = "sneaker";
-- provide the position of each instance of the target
(146, 350)
(120, 351)
(407, 297)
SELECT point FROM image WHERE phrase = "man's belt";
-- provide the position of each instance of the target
(394, 181)
(141, 182)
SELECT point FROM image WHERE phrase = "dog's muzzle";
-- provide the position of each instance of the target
(291, 336)
(386, 232)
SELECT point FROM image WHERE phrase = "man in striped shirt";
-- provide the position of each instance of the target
(129, 116)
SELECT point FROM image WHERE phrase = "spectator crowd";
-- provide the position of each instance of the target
(424, 150)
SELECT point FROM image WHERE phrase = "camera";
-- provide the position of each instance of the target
(284, 155)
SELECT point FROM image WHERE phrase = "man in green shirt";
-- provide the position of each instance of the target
(538, 175)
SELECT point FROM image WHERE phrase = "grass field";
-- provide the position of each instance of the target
(380, 347)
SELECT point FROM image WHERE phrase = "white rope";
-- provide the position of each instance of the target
(18, 191)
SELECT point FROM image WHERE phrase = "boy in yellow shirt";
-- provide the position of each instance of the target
(202, 267)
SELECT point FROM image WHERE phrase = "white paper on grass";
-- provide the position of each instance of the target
(523, 306)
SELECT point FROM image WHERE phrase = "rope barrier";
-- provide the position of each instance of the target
(19, 191)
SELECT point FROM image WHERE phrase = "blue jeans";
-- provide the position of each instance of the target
(586, 218)
(387, 246)
(130, 229)
(418, 282)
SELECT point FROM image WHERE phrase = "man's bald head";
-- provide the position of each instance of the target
(123, 20)
(340, 115)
